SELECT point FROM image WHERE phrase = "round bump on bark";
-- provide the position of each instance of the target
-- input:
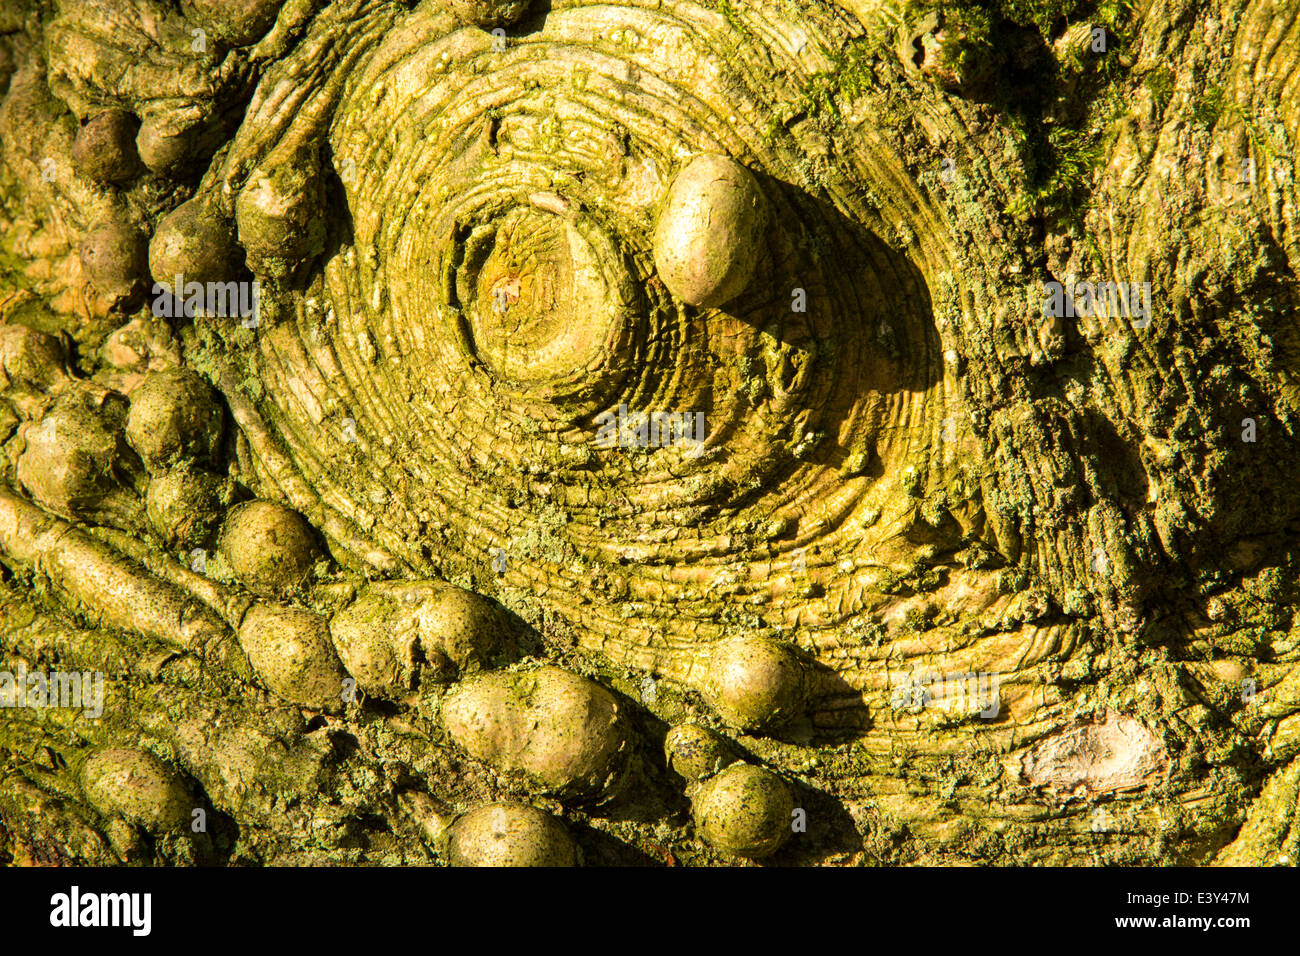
(398, 634)
(174, 417)
(488, 13)
(510, 834)
(137, 786)
(277, 214)
(565, 732)
(163, 144)
(238, 22)
(197, 242)
(290, 650)
(696, 752)
(269, 547)
(30, 358)
(744, 811)
(115, 256)
(105, 149)
(755, 684)
(710, 231)
(76, 463)
(184, 505)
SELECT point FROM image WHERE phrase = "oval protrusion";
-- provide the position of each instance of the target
(510, 834)
(696, 752)
(488, 13)
(165, 141)
(115, 256)
(565, 732)
(184, 505)
(709, 233)
(104, 148)
(174, 417)
(76, 463)
(270, 548)
(290, 650)
(277, 214)
(755, 683)
(137, 786)
(197, 242)
(399, 634)
(744, 811)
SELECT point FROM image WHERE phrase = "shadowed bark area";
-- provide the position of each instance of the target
(968, 522)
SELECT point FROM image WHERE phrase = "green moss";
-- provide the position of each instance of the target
(1060, 170)
(853, 68)
(972, 37)
(851, 76)
(731, 16)
(1059, 110)
(1210, 106)
(990, 19)
(920, 619)
(1114, 14)
(1160, 82)
(1044, 15)
(771, 130)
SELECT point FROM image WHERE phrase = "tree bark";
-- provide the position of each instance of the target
(1041, 569)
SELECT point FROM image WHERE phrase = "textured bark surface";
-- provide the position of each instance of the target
(907, 467)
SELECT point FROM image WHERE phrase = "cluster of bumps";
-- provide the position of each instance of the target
(153, 465)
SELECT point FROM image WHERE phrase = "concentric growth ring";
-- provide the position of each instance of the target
(497, 332)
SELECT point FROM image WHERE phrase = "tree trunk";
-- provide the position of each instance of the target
(1000, 434)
